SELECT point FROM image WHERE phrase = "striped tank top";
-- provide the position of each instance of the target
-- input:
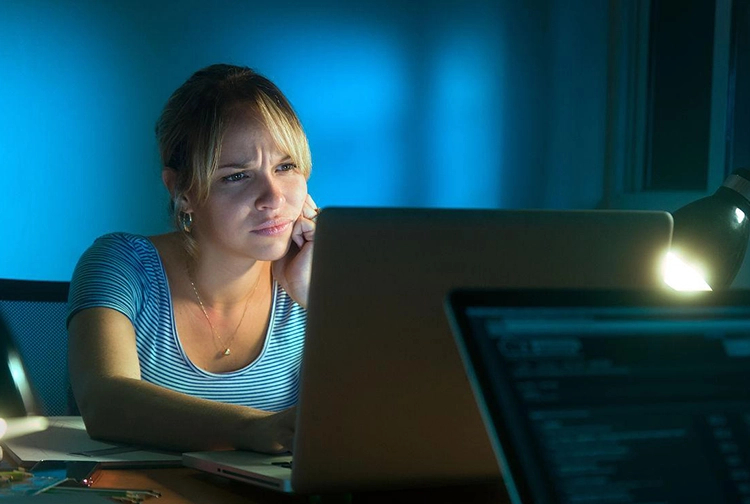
(124, 272)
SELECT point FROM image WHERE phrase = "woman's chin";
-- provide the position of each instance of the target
(274, 253)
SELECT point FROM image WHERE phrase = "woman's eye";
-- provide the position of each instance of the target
(287, 167)
(234, 177)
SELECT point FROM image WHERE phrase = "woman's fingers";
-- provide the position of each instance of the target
(310, 210)
(304, 228)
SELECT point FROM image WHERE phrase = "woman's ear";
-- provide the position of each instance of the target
(169, 177)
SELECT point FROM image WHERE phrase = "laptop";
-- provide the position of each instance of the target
(613, 396)
(384, 400)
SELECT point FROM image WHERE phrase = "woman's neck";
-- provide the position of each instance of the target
(222, 282)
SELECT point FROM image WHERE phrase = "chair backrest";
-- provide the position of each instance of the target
(32, 314)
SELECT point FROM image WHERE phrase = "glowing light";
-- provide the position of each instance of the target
(682, 276)
(740, 215)
(16, 427)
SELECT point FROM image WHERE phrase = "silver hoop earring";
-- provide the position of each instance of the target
(186, 221)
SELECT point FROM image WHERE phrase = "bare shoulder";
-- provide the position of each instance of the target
(166, 242)
(170, 248)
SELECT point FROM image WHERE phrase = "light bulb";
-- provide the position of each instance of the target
(714, 231)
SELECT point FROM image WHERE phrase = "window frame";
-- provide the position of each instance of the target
(627, 108)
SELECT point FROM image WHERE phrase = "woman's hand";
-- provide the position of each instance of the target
(273, 433)
(293, 270)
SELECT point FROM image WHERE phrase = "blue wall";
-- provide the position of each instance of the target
(462, 103)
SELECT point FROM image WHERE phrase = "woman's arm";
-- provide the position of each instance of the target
(117, 405)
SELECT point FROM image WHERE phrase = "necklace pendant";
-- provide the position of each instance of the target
(227, 351)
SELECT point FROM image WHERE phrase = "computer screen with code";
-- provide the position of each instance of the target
(628, 404)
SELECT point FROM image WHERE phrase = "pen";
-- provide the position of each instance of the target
(107, 492)
(16, 475)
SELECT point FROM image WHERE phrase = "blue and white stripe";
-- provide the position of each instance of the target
(124, 272)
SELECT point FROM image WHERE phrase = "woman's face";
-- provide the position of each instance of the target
(256, 195)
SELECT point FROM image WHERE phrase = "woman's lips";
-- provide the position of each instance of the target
(272, 228)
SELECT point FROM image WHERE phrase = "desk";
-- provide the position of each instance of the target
(188, 486)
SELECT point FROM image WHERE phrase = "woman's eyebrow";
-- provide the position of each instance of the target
(248, 163)
(236, 164)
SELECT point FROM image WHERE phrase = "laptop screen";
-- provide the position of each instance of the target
(611, 396)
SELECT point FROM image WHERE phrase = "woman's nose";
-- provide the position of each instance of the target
(271, 195)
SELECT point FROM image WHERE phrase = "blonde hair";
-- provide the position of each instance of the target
(192, 125)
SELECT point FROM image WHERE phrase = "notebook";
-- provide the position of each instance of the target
(384, 400)
(615, 396)
(64, 438)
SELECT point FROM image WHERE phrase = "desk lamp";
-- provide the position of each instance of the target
(710, 237)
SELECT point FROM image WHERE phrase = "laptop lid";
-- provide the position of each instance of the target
(613, 396)
(384, 399)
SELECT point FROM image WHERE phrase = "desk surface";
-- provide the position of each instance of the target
(188, 486)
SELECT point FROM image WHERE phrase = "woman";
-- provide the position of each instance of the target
(192, 340)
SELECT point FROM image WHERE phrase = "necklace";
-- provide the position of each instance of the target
(227, 350)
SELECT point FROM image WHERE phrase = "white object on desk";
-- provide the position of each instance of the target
(65, 438)
(14, 427)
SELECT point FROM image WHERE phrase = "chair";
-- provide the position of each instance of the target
(35, 346)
